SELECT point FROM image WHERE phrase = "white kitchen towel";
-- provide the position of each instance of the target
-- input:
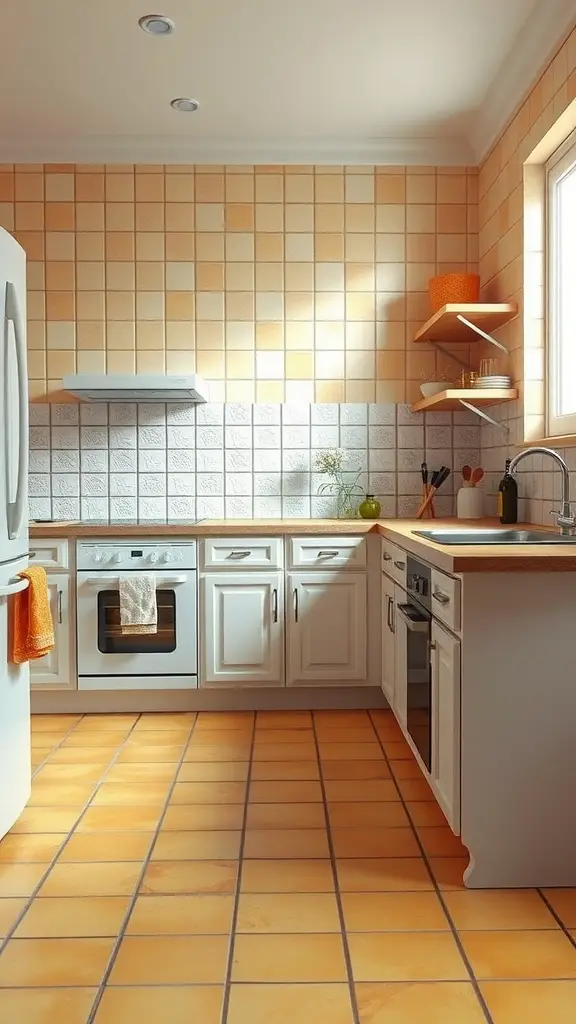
(138, 609)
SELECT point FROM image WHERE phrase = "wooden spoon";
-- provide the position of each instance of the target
(466, 474)
(477, 475)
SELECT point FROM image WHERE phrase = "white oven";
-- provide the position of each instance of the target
(164, 660)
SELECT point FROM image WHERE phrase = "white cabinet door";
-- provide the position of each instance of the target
(400, 705)
(446, 723)
(54, 669)
(388, 640)
(242, 628)
(326, 628)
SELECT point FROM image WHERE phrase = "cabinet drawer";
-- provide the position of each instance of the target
(327, 552)
(394, 562)
(446, 599)
(52, 554)
(242, 553)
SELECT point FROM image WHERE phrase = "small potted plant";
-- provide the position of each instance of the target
(344, 487)
(434, 384)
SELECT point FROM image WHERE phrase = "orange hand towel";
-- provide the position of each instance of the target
(33, 629)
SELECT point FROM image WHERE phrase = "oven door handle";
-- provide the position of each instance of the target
(414, 625)
(164, 581)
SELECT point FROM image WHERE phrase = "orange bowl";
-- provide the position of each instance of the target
(447, 288)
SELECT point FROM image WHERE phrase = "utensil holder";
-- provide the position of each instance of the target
(470, 503)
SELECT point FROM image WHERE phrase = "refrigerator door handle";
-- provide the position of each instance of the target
(14, 588)
(15, 509)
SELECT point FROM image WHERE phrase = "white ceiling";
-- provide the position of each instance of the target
(300, 80)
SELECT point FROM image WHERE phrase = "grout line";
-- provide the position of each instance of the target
(565, 929)
(337, 894)
(135, 894)
(234, 921)
(437, 889)
(56, 746)
(52, 863)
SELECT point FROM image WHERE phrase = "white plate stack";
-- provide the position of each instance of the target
(493, 381)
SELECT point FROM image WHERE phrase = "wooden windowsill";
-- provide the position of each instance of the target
(565, 441)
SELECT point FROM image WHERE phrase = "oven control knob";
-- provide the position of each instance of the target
(154, 557)
(166, 557)
(98, 556)
(117, 557)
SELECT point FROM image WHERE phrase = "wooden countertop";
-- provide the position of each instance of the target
(208, 528)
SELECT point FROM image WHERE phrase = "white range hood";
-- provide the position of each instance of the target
(138, 387)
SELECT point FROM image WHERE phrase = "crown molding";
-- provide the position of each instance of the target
(171, 149)
(540, 36)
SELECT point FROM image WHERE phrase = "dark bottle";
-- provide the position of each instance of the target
(508, 497)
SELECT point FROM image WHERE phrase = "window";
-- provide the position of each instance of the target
(561, 297)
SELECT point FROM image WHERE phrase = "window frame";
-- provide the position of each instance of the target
(556, 167)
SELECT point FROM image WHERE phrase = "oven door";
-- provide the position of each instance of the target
(418, 623)
(104, 651)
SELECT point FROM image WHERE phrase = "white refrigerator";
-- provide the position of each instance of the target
(14, 679)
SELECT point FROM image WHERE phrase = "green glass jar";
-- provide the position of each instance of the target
(370, 508)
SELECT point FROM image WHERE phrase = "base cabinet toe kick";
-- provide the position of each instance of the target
(479, 672)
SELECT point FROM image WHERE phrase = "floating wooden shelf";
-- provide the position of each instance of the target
(454, 397)
(445, 326)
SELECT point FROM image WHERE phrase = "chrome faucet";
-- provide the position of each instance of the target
(565, 519)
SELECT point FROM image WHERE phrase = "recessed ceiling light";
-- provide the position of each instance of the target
(156, 24)
(184, 103)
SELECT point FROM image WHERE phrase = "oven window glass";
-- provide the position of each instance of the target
(110, 638)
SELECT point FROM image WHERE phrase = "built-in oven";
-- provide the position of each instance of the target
(417, 621)
(107, 658)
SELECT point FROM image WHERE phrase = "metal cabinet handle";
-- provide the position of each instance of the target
(295, 604)
(275, 605)
(413, 625)
(239, 554)
(386, 557)
(400, 565)
(327, 554)
(59, 606)
(440, 597)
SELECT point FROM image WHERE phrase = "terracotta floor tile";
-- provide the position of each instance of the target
(354, 734)
(108, 722)
(221, 737)
(171, 960)
(374, 842)
(408, 1003)
(108, 740)
(368, 790)
(107, 846)
(283, 736)
(166, 721)
(46, 1006)
(440, 842)
(83, 755)
(111, 879)
(46, 723)
(397, 750)
(288, 912)
(348, 770)
(81, 917)
(285, 792)
(424, 813)
(283, 720)
(299, 876)
(128, 794)
(47, 739)
(363, 751)
(70, 773)
(219, 845)
(151, 754)
(119, 819)
(522, 956)
(29, 848)
(304, 751)
(54, 962)
(286, 815)
(496, 909)
(158, 771)
(406, 770)
(296, 958)
(393, 912)
(181, 915)
(562, 900)
(209, 792)
(185, 876)
(157, 737)
(180, 1005)
(180, 817)
(214, 771)
(389, 874)
(20, 879)
(285, 771)
(45, 819)
(390, 814)
(218, 752)
(342, 719)
(415, 789)
(286, 843)
(530, 1002)
(448, 871)
(10, 908)
(406, 956)
(224, 720)
(285, 1004)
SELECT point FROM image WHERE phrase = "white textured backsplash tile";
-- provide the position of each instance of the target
(151, 460)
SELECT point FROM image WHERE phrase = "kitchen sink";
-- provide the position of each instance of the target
(487, 536)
